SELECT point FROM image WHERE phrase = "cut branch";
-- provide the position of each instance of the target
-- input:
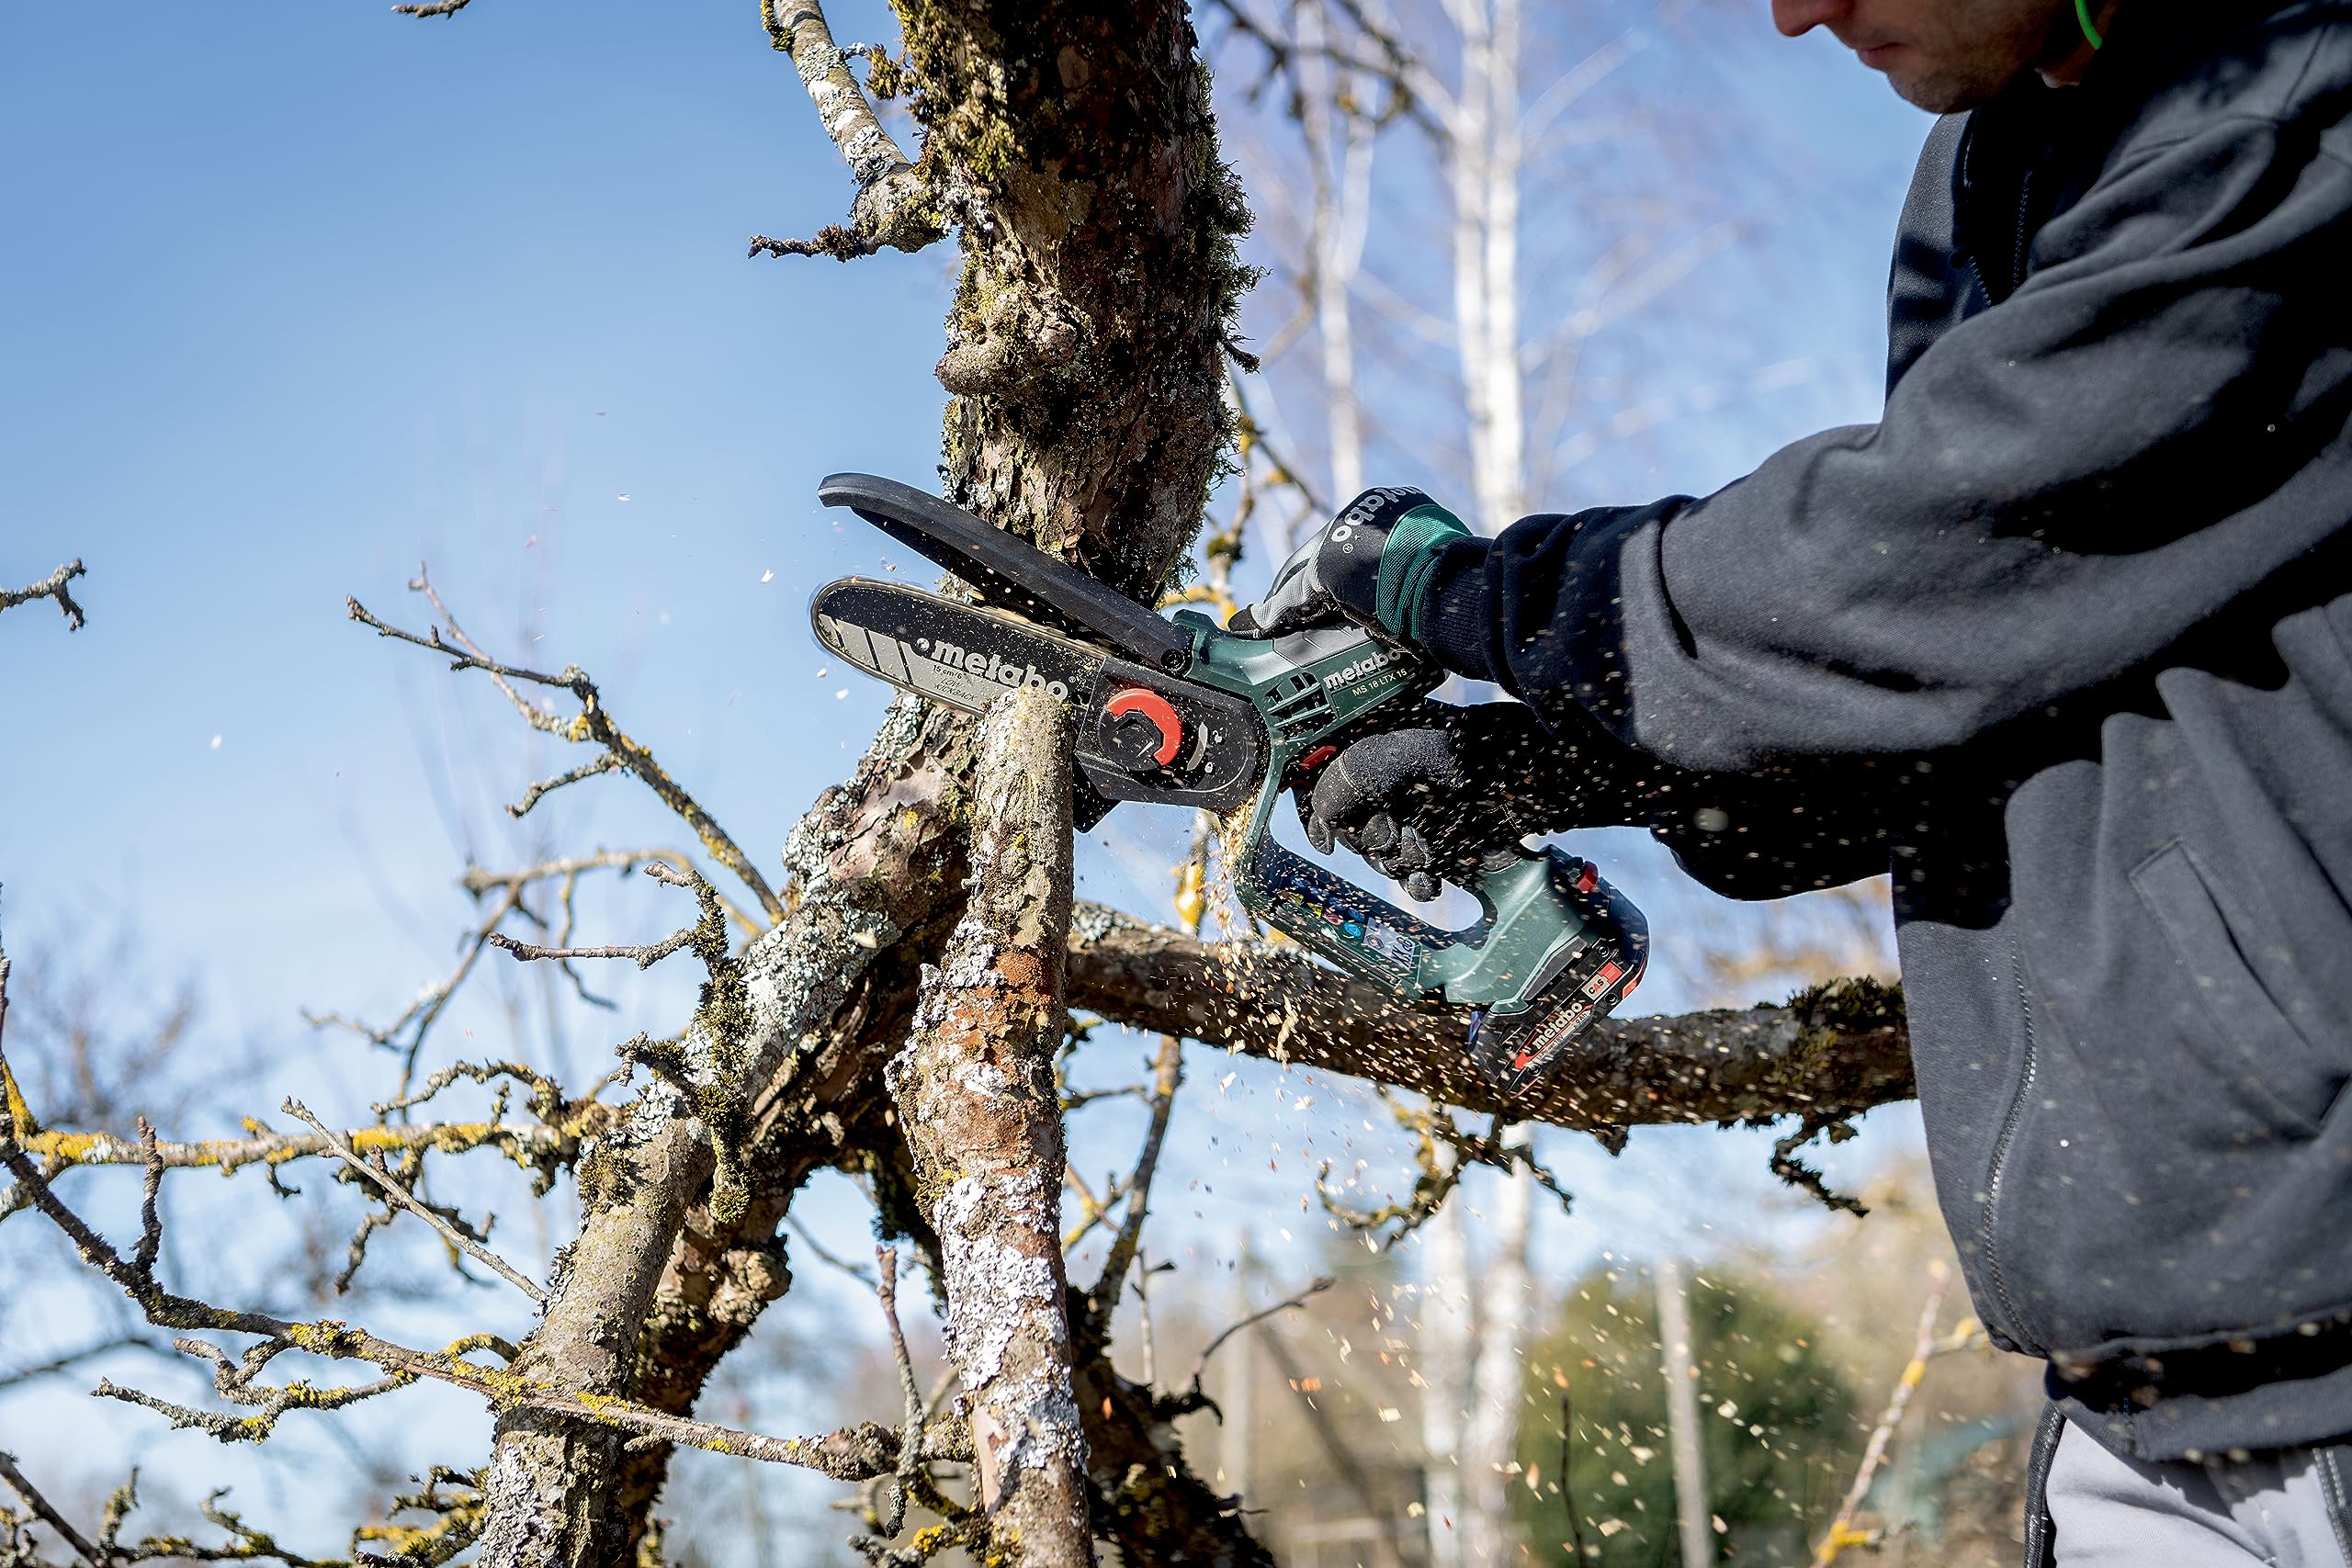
(974, 1090)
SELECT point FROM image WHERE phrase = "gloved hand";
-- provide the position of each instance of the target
(1367, 564)
(1442, 801)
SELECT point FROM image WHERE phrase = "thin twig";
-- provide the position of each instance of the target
(1796, 1173)
(909, 1472)
(603, 763)
(1168, 1074)
(55, 1520)
(593, 723)
(1842, 1533)
(708, 930)
(409, 1200)
(852, 1454)
(827, 1257)
(72, 1358)
(1316, 1287)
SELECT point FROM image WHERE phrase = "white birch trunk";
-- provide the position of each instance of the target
(1338, 220)
(1448, 1341)
(1502, 473)
(1498, 1377)
(1682, 1417)
(1468, 146)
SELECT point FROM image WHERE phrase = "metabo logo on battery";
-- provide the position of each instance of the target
(1379, 659)
(990, 667)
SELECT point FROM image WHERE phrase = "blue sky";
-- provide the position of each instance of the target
(298, 295)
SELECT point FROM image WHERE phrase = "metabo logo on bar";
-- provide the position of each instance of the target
(990, 667)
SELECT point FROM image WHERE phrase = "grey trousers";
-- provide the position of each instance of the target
(2282, 1508)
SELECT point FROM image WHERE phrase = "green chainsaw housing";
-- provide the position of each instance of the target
(1554, 947)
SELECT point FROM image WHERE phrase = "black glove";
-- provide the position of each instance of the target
(1367, 564)
(1446, 799)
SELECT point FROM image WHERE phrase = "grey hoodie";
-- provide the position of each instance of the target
(2064, 640)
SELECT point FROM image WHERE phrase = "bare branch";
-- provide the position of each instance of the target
(593, 723)
(56, 1364)
(50, 1515)
(850, 1454)
(1796, 1173)
(54, 586)
(409, 1200)
(975, 1092)
(707, 936)
(1444, 1154)
(1168, 1073)
(603, 763)
(830, 1258)
(910, 1473)
(523, 1142)
(1842, 1533)
(268, 1403)
(1835, 1050)
(1314, 1286)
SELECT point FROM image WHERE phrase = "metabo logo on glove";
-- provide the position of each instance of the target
(1365, 508)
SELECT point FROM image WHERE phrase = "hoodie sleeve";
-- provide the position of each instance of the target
(2061, 487)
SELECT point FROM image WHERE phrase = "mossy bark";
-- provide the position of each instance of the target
(1085, 340)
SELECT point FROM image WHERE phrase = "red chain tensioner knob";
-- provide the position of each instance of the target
(1142, 729)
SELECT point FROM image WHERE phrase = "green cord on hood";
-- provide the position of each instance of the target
(2082, 15)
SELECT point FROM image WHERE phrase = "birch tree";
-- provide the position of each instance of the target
(894, 990)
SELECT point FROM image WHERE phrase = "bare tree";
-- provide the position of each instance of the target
(923, 932)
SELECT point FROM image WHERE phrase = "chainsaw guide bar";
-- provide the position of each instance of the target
(1141, 734)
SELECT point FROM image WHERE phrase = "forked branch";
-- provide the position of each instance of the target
(54, 586)
(893, 207)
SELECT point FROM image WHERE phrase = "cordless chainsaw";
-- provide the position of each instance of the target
(1179, 712)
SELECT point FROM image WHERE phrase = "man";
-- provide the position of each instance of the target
(2064, 641)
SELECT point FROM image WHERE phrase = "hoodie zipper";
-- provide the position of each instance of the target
(1987, 1227)
(2019, 237)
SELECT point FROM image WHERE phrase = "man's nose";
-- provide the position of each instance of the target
(1795, 17)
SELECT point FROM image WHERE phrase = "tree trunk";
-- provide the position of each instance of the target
(975, 1091)
(1074, 147)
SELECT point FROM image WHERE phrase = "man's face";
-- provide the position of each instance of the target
(1940, 54)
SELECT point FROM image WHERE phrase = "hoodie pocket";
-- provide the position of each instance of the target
(2249, 1043)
